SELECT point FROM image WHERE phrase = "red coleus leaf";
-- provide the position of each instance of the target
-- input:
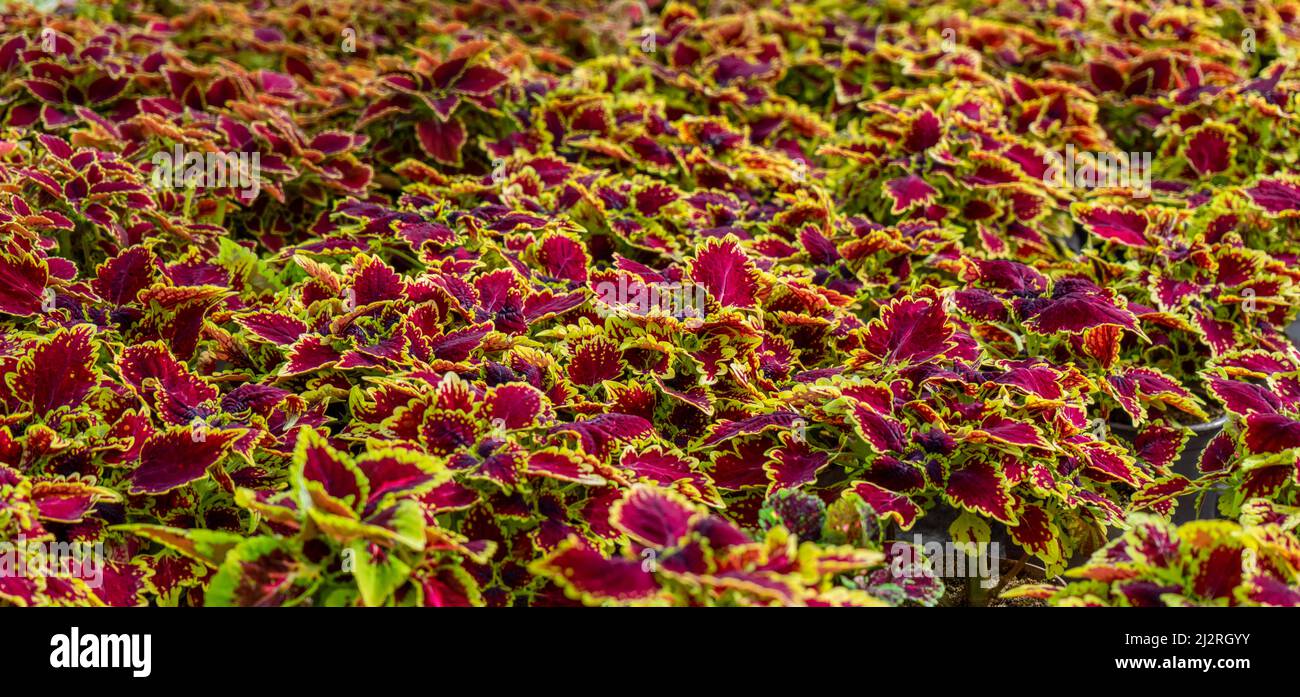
(594, 361)
(1209, 149)
(1038, 379)
(449, 496)
(1218, 455)
(820, 250)
(1275, 196)
(909, 192)
(1122, 225)
(981, 304)
(66, 500)
(504, 467)
(459, 344)
(1010, 431)
(726, 430)
(544, 305)
(120, 280)
(268, 573)
(276, 327)
(444, 431)
(648, 150)
(373, 281)
(442, 140)
(726, 272)
(652, 517)
(1267, 481)
(1244, 398)
(909, 330)
(1272, 592)
(1074, 307)
(924, 132)
(177, 456)
(22, 282)
(156, 375)
(978, 486)
(564, 258)
(666, 469)
(563, 466)
(123, 585)
(1219, 573)
(586, 573)
(1105, 77)
(652, 199)
(1159, 446)
(795, 464)
(479, 80)
(884, 433)
(1036, 532)
(740, 467)
(888, 503)
(59, 373)
(1105, 463)
(1159, 495)
(598, 433)
(309, 353)
(1271, 433)
(517, 406)
(1009, 276)
(325, 471)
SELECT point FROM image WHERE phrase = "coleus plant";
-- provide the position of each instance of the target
(1196, 296)
(1254, 456)
(680, 553)
(714, 305)
(435, 90)
(345, 531)
(1006, 443)
(1201, 563)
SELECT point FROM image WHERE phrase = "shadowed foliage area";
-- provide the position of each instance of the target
(350, 302)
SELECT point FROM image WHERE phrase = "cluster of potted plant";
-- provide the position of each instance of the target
(371, 303)
(1205, 562)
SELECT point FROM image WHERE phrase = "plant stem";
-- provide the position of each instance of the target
(1015, 571)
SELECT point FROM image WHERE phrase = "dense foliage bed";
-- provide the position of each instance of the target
(557, 302)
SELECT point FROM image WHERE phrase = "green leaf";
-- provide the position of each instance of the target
(207, 546)
(259, 571)
(376, 579)
(969, 527)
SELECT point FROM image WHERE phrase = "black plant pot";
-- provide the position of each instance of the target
(1187, 465)
(1078, 237)
(935, 523)
(1293, 332)
(1013, 569)
(933, 527)
(1009, 570)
